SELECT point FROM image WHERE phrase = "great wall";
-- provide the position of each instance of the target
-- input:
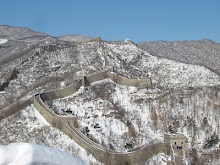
(69, 124)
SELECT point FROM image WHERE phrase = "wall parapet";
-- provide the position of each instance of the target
(140, 83)
(69, 124)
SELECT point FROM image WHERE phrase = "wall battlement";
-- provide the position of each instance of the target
(69, 124)
(175, 146)
(140, 83)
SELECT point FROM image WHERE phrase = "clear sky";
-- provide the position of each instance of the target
(138, 20)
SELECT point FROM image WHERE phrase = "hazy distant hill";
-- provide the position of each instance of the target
(10, 32)
(204, 52)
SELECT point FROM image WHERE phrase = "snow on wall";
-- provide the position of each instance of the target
(105, 108)
(134, 156)
(95, 111)
(131, 62)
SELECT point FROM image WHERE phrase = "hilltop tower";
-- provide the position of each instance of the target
(82, 79)
(175, 146)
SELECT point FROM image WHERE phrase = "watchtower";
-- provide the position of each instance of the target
(109, 68)
(82, 79)
(146, 82)
(175, 144)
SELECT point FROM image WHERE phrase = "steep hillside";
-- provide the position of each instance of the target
(20, 41)
(133, 62)
(204, 52)
(184, 98)
(124, 118)
(18, 33)
(29, 126)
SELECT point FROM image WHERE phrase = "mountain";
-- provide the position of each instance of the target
(184, 98)
(19, 42)
(203, 52)
(18, 33)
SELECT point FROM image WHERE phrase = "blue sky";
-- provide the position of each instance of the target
(138, 20)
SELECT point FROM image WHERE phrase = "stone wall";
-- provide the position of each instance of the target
(140, 83)
(96, 77)
(178, 142)
(175, 143)
(102, 154)
(69, 124)
(61, 93)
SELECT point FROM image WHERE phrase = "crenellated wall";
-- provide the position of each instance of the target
(69, 124)
(61, 93)
(102, 154)
(141, 83)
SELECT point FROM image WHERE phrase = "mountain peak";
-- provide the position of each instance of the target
(207, 40)
(11, 32)
(128, 41)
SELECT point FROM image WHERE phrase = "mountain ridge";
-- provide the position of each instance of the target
(200, 52)
(16, 33)
(184, 97)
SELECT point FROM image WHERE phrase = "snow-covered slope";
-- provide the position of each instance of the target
(2, 41)
(10, 32)
(122, 117)
(204, 52)
(110, 115)
(185, 96)
(134, 62)
(29, 126)
(160, 159)
(27, 154)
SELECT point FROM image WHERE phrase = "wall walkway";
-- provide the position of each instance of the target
(69, 124)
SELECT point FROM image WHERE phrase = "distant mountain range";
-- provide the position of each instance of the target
(203, 52)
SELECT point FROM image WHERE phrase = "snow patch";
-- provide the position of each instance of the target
(3, 41)
(29, 126)
(27, 154)
(160, 159)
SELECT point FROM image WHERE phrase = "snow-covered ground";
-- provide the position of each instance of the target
(160, 159)
(29, 126)
(116, 116)
(122, 114)
(111, 114)
(27, 154)
(164, 72)
(3, 41)
(176, 74)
